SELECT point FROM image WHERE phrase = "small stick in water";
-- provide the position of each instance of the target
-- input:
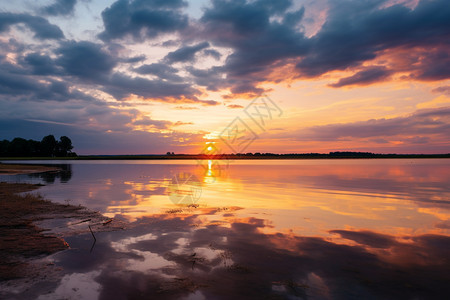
(92, 232)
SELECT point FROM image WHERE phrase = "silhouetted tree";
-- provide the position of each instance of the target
(4, 145)
(64, 146)
(19, 146)
(48, 145)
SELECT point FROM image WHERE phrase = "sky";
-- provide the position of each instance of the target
(151, 76)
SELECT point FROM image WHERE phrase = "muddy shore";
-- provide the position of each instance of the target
(25, 233)
(14, 169)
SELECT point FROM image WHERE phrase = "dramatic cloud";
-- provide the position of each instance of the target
(41, 27)
(142, 19)
(122, 86)
(364, 77)
(211, 78)
(264, 37)
(60, 7)
(257, 42)
(163, 71)
(213, 53)
(355, 32)
(85, 59)
(41, 64)
(186, 53)
(435, 65)
(423, 122)
(22, 87)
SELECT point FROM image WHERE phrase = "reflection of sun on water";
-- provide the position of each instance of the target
(209, 176)
(307, 200)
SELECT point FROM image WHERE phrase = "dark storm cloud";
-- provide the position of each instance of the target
(163, 71)
(41, 27)
(41, 64)
(135, 59)
(88, 62)
(434, 65)
(294, 18)
(16, 86)
(364, 77)
(36, 77)
(356, 30)
(210, 78)
(60, 7)
(142, 19)
(256, 40)
(27, 80)
(85, 60)
(213, 53)
(122, 86)
(186, 53)
(422, 122)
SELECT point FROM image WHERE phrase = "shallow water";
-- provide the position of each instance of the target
(287, 229)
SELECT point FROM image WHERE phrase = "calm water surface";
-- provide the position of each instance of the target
(281, 229)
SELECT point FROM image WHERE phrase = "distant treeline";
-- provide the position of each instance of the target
(257, 155)
(337, 154)
(47, 147)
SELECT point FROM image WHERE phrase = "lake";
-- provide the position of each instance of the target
(275, 229)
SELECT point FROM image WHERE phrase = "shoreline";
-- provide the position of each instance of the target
(16, 169)
(23, 238)
(230, 157)
(32, 228)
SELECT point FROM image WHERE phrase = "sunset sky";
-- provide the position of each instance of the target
(147, 77)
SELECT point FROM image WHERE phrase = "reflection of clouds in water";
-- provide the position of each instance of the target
(144, 260)
(166, 256)
(78, 286)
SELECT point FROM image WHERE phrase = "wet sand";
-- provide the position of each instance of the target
(10, 169)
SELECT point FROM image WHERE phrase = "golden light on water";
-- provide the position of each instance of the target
(309, 199)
